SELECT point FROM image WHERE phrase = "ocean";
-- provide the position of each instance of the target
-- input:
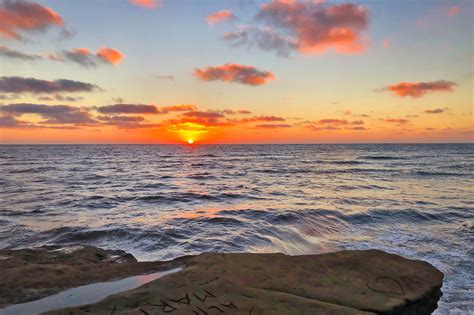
(159, 202)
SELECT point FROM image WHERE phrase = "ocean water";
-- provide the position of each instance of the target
(160, 202)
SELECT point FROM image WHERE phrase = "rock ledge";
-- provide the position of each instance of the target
(345, 282)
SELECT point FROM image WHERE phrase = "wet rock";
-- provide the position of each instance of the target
(30, 274)
(346, 282)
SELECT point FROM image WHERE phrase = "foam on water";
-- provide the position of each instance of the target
(160, 202)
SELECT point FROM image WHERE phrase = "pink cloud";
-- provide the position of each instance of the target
(453, 10)
(386, 43)
(220, 16)
(87, 58)
(318, 26)
(419, 89)
(148, 4)
(109, 55)
(19, 16)
(230, 72)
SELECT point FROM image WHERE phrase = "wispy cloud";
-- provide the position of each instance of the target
(37, 86)
(128, 109)
(86, 58)
(166, 77)
(400, 121)
(419, 89)
(265, 38)
(16, 54)
(148, 4)
(273, 126)
(53, 114)
(220, 16)
(237, 73)
(434, 111)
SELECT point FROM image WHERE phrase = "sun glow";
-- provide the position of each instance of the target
(190, 141)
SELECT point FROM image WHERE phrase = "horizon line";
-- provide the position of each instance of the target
(212, 144)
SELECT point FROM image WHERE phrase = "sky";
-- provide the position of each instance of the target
(236, 71)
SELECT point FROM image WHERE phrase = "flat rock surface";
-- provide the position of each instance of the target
(30, 274)
(345, 282)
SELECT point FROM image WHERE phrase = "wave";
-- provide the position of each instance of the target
(428, 173)
(382, 157)
(192, 197)
(34, 170)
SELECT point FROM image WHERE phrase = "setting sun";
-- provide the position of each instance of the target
(190, 141)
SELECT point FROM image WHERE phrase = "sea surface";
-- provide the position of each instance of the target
(160, 202)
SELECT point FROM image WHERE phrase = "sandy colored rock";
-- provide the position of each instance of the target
(30, 274)
(346, 282)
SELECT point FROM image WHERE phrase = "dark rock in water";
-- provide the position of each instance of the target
(345, 282)
(30, 274)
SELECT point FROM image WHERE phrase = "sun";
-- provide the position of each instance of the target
(190, 141)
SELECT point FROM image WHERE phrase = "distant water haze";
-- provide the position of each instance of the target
(161, 202)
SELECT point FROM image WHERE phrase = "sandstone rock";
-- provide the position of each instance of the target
(346, 282)
(30, 274)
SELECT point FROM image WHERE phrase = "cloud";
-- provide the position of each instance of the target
(259, 119)
(86, 58)
(350, 113)
(319, 128)
(126, 122)
(148, 4)
(65, 117)
(121, 118)
(333, 122)
(318, 26)
(24, 16)
(386, 43)
(264, 38)
(336, 124)
(36, 86)
(177, 108)
(248, 75)
(54, 114)
(128, 109)
(167, 77)
(357, 128)
(202, 114)
(235, 112)
(244, 112)
(308, 27)
(434, 111)
(220, 16)
(453, 10)
(11, 122)
(273, 126)
(59, 97)
(109, 55)
(400, 121)
(15, 54)
(419, 89)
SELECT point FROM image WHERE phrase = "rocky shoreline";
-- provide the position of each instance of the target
(345, 282)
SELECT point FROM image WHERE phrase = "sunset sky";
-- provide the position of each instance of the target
(240, 71)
